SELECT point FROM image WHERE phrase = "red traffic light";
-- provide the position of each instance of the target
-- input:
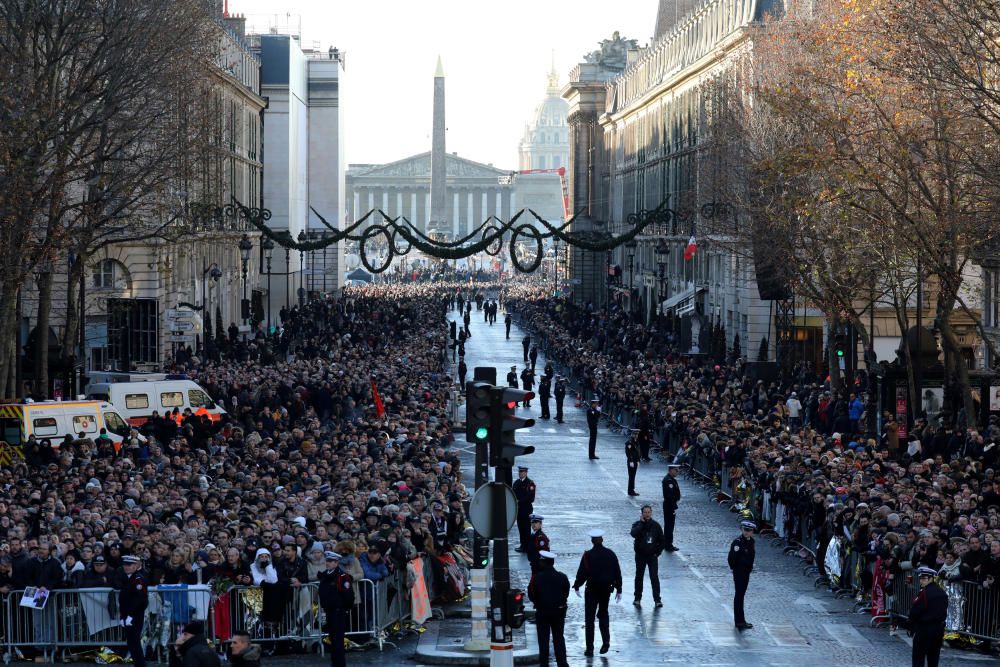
(518, 596)
(511, 405)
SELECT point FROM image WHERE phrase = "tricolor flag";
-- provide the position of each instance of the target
(379, 405)
(691, 248)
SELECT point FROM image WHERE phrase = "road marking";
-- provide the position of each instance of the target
(696, 572)
(721, 634)
(786, 635)
(711, 589)
(576, 431)
(846, 635)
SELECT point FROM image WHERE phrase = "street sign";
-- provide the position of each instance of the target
(492, 510)
(180, 325)
(178, 314)
(181, 338)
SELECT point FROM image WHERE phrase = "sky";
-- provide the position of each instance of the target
(496, 58)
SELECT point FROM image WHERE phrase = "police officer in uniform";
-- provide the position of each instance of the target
(593, 418)
(512, 377)
(526, 344)
(927, 617)
(599, 569)
(524, 492)
(527, 382)
(741, 556)
(671, 497)
(632, 456)
(544, 393)
(560, 394)
(508, 319)
(549, 590)
(132, 601)
(336, 596)
(538, 542)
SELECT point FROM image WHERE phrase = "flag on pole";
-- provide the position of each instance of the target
(379, 405)
(691, 248)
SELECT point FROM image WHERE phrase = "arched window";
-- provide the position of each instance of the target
(110, 274)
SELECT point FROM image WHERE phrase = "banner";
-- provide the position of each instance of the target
(420, 604)
(379, 406)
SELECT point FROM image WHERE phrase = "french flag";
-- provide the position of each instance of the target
(691, 248)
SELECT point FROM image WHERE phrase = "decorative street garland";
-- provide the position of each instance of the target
(490, 234)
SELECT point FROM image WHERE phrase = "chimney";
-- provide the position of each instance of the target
(237, 23)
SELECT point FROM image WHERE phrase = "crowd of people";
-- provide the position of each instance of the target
(929, 499)
(337, 438)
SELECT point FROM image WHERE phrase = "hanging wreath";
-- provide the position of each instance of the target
(368, 234)
(530, 231)
(493, 238)
(395, 248)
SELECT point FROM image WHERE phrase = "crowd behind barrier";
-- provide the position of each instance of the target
(860, 513)
(338, 437)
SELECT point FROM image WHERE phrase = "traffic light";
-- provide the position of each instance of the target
(478, 398)
(514, 608)
(839, 345)
(504, 423)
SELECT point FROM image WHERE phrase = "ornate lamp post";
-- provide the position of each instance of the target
(214, 272)
(302, 271)
(246, 246)
(630, 252)
(267, 245)
(661, 251)
(556, 261)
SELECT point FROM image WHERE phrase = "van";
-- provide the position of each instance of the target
(136, 401)
(56, 419)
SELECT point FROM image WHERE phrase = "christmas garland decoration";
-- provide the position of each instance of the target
(490, 234)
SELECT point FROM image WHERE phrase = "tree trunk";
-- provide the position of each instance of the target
(836, 382)
(950, 343)
(9, 333)
(71, 334)
(42, 335)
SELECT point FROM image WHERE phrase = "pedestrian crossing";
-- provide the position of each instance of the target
(669, 633)
(572, 430)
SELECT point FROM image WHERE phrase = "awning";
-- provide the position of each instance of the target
(682, 303)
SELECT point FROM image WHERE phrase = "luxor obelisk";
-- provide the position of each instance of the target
(438, 219)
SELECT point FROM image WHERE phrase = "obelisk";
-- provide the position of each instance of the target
(438, 219)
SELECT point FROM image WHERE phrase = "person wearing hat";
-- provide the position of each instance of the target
(527, 383)
(526, 344)
(508, 320)
(193, 648)
(549, 591)
(593, 418)
(538, 542)
(336, 596)
(600, 571)
(560, 395)
(133, 598)
(524, 492)
(512, 377)
(742, 551)
(671, 498)
(544, 394)
(927, 619)
(632, 457)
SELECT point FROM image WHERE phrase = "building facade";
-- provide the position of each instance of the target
(304, 170)
(543, 156)
(637, 119)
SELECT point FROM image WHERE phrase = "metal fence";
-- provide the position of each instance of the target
(80, 623)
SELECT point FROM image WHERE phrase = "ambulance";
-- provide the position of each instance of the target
(136, 400)
(56, 419)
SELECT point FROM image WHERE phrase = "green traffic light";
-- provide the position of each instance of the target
(840, 353)
(482, 433)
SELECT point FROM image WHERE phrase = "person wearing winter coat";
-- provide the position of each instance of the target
(193, 649)
(373, 565)
(349, 563)
(73, 570)
(242, 653)
(315, 561)
(262, 571)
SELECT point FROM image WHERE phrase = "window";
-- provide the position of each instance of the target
(197, 398)
(172, 399)
(45, 426)
(116, 424)
(84, 424)
(136, 401)
(10, 431)
(110, 274)
(132, 333)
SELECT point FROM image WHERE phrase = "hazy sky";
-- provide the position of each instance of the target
(496, 56)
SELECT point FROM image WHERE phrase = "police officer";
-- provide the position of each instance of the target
(533, 356)
(549, 590)
(560, 394)
(526, 344)
(632, 463)
(508, 319)
(671, 497)
(648, 544)
(524, 492)
(336, 596)
(599, 569)
(527, 382)
(544, 393)
(538, 542)
(132, 601)
(512, 377)
(927, 617)
(467, 319)
(741, 556)
(593, 418)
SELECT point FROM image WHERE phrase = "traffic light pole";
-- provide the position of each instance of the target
(479, 572)
(501, 636)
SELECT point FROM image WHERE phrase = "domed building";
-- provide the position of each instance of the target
(545, 144)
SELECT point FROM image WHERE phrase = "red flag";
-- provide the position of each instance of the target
(379, 405)
(691, 248)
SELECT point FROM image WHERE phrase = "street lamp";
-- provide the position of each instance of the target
(214, 272)
(267, 245)
(302, 271)
(555, 260)
(246, 246)
(661, 251)
(630, 250)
